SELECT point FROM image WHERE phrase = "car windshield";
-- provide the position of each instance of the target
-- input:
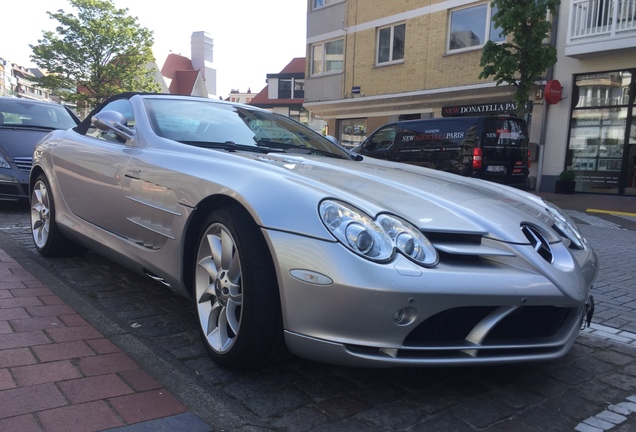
(207, 123)
(26, 113)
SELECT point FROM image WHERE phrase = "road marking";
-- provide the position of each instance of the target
(614, 415)
(611, 212)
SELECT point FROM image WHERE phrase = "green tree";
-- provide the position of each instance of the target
(95, 53)
(524, 57)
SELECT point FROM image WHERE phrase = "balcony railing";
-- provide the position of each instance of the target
(601, 18)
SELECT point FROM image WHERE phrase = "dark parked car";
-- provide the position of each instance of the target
(24, 122)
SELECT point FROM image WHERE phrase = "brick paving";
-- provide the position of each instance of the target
(98, 348)
(58, 373)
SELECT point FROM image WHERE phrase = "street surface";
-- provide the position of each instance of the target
(158, 330)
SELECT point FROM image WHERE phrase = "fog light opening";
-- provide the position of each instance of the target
(405, 316)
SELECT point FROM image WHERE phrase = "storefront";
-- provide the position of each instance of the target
(602, 134)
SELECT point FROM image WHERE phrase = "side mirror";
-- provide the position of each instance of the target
(113, 121)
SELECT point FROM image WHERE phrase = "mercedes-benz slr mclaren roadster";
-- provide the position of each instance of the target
(286, 242)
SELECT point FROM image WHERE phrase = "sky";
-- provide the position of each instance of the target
(252, 38)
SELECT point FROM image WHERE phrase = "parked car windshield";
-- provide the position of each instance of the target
(199, 122)
(26, 113)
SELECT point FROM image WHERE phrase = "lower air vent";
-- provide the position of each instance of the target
(538, 242)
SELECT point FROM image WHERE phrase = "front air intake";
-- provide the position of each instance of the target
(538, 242)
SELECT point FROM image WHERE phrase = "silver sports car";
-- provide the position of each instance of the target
(285, 241)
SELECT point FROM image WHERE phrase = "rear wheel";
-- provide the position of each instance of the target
(48, 238)
(236, 293)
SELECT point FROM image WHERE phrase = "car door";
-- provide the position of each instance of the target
(90, 169)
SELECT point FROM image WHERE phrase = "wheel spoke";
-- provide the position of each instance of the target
(210, 267)
(216, 250)
(231, 316)
(228, 250)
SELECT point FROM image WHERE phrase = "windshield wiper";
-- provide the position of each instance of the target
(293, 148)
(25, 126)
(229, 146)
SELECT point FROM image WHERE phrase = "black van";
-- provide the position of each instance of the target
(491, 147)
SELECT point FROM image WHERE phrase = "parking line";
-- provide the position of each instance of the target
(612, 212)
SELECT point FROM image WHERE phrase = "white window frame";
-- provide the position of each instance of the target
(391, 60)
(487, 30)
(324, 58)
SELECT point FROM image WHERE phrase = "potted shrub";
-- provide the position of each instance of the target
(566, 182)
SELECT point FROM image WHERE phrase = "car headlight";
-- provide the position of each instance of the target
(376, 239)
(4, 163)
(566, 225)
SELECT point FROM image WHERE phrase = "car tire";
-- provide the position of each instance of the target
(236, 292)
(48, 239)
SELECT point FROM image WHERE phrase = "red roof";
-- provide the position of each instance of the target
(297, 65)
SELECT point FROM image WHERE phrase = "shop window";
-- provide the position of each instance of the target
(600, 144)
(352, 132)
(472, 27)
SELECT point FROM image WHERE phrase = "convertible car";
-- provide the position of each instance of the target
(286, 242)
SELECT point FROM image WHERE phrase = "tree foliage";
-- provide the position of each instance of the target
(94, 53)
(524, 57)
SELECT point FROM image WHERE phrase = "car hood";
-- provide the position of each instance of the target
(432, 200)
(20, 142)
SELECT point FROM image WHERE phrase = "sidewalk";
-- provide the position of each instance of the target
(58, 373)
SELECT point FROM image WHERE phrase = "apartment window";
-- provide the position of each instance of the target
(472, 27)
(327, 57)
(285, 88)
(299, 88)
(286, 85)
(391, 44)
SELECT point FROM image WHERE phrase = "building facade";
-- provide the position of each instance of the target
(371, 62)
(593, 129)
(18, 81)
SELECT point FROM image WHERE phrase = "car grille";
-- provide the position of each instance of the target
(470, 335)
(454, 325)
(23, 163)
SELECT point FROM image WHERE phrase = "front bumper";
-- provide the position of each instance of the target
(462, 312)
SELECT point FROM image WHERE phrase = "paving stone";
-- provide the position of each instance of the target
(24, 339)
(94, 388)
(22, 423)
(62, 351)
(44, 373)
(67, 334)
(16, 357)
(26, 400)
(145, 406)
(481, 412)
(139, 380)
(40, 323)
(6, 380)
(106, 363)
(92, 416)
